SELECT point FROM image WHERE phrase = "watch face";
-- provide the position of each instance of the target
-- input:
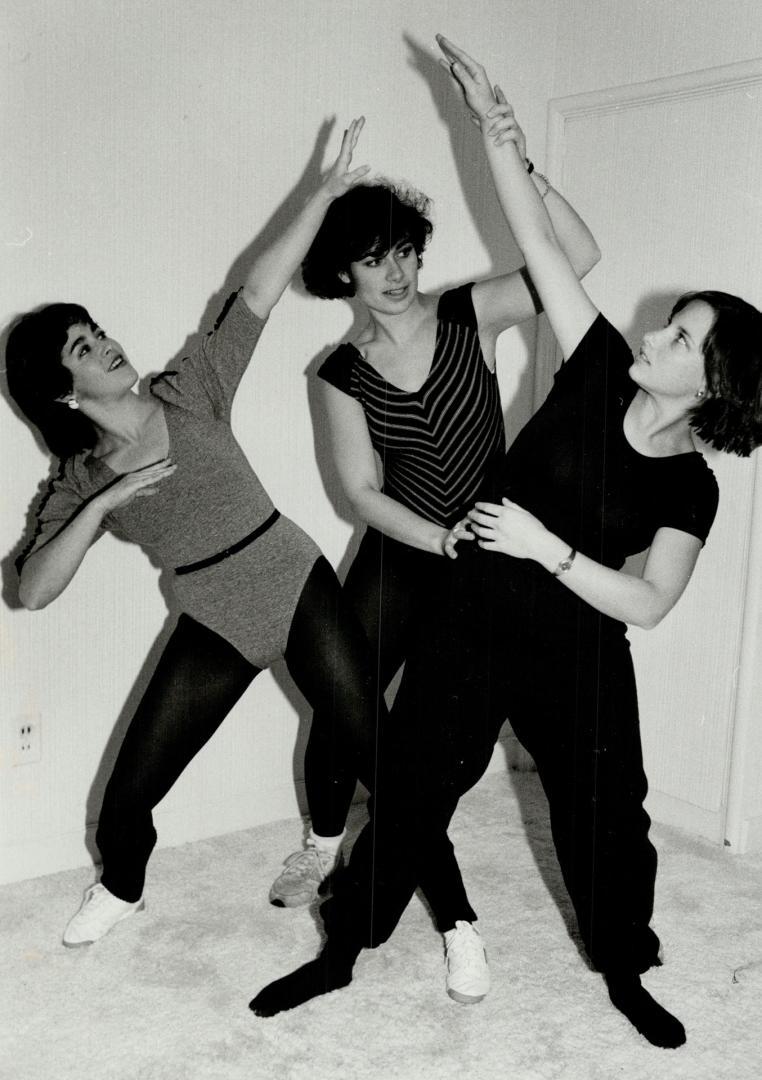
(564, 565)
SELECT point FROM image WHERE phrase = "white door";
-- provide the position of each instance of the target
(669, 176)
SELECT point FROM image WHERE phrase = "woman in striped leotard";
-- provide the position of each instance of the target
(417, 393)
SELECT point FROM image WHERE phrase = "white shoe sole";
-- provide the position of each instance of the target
(466, 999)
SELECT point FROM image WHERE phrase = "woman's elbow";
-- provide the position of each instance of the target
(592, 258)
(259, 300)
(583, 261)
(361, 497)
(31, 596)
(649, 617)
(647, 621)
(31, 600)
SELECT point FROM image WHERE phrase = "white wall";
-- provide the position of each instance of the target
(146, 143)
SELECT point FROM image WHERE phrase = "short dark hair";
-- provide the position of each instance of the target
(37, 379)
(730, 416)
(370, 219)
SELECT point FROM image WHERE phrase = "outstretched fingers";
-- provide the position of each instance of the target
(469, 77)
(456, 55)
(349, 142)
(339, 179)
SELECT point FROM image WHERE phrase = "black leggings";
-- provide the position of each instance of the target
(389, 585)
(197, 681)
(508, 640)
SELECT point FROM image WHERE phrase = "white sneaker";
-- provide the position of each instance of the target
(100, 911)
(305, 871)
(468, 979)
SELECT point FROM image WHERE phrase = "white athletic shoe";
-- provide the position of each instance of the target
(468, 979)
(100, 912)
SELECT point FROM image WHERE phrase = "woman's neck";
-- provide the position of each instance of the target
(120, 422)
(397, 330)
(657, 426)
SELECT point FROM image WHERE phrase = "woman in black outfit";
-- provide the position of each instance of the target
(534, 623)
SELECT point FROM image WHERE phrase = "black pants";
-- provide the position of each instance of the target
(198, 679)
(389, 585)
(506, 639)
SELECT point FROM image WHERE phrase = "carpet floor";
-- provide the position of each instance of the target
(165, 995)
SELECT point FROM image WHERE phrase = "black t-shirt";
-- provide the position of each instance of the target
(572, 467)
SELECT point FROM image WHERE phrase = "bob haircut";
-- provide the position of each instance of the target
(37, 379)
(370, 219)
(730, 416)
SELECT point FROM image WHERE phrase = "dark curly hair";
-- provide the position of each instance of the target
(730, 416)
(37, 379)
(370, 219)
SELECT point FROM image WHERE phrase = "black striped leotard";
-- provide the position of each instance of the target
(435, 443)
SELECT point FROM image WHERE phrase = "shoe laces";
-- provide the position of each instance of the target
(96, 896)
(465, 947)
(311, 863)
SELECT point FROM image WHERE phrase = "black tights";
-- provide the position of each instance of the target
(385, 586)
(197, 681)
(388, 585)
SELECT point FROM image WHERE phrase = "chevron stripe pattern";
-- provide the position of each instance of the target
(435, 443)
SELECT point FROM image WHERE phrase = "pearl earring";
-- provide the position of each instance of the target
(700, 394)
(72, 403)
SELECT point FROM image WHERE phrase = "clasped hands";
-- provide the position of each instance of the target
(487, 105)
(504, 527)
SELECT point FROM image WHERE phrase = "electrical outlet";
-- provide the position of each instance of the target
(28, 739)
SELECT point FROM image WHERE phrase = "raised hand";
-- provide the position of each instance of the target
(505, 127)
(134, 485)
(470, 76)
(339, 179)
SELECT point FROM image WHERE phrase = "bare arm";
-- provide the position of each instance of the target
(503, 301)
(274, 269)
(356, 465)
(47, 572)
(642, 601)
(566, 303)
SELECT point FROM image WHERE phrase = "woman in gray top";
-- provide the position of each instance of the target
(165, 471)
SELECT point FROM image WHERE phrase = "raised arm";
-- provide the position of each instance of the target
(274, 269)
(356, 465)
(566, 303)
(503, 301)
